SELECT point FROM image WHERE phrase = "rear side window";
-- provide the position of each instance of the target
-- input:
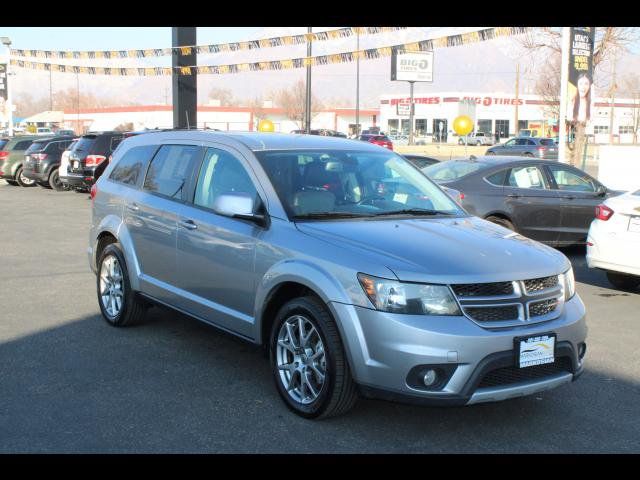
(35, 147)
(497, 178)
(547, 142)
(85, 143)
(169, 169)
(22, 145)
(527, 177)
(130, 167)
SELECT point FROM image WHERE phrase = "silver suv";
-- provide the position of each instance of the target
(353, 269)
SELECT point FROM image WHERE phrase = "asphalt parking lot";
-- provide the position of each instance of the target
(69, 383)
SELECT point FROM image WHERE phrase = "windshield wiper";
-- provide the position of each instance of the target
(414, 211)
(320, 215)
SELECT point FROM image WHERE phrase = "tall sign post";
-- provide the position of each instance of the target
(8, 104)
(4, 90)
(411, 66)
(577, 95)
(185, 87)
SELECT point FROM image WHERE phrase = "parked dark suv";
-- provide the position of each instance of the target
(89, 158)
(42, 160)
(12, 157)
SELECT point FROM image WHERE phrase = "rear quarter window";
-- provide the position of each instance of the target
(35, 147)
(131, 166)
(497, 178)
(22, 145)
(449, 171)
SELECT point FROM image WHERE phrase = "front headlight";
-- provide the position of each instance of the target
(568, 282)
(412, 298)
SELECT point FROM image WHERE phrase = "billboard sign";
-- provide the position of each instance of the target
(580, 93)
(411, 66)
(403, 109)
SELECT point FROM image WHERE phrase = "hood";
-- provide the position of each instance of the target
(443, 250)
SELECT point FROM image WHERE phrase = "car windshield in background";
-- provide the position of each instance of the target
(334, 184)
(547, 141)
(451, 170)
(3, 143)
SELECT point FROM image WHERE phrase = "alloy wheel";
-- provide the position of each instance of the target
(301, 359)
(111, 286)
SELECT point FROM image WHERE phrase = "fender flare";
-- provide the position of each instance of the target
(113, 224)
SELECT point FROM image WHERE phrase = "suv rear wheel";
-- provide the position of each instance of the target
(55, 182)
(120, 306)
(24, 181)
(308, 361)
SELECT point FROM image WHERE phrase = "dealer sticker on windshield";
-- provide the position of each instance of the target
(536, 350)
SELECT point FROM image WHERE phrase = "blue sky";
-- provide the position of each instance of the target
(114, 38)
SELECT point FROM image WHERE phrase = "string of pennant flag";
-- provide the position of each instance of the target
(344, 57)
(203, 49)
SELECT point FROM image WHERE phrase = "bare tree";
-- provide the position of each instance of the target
(27, 106)
(548, 87)
(293, 101)
(224, 95)
(631, 86)
(609, 41)
(124, 127)
(257, 108)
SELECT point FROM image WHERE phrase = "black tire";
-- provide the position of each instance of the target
(12, 182)
(623, 281)
(339, 392)
(55, 182)
(133, 308)
(460, 142)
(20, 181)
(490, 153)
(527, 154)
(501, 221)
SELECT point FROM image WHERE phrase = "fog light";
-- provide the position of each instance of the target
(430, 378)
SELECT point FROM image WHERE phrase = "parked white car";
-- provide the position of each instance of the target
(44, 131)
(613, 242)
(477, 138)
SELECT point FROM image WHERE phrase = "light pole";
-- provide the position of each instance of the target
(307, 114)
(6, 41)
(357, 132)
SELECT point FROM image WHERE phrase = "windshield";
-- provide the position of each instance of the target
(335, 183)
(35, 146)
(85, 143)
(451, 170)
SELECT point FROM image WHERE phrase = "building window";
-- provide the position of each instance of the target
(626, 129)
(502, 127)
(484, 126)
(405, 126)
(392, 126)
(421, 127)
(600, 129)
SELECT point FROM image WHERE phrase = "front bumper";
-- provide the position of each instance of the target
(384, 348)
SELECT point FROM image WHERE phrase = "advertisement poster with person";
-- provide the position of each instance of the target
(581, 95)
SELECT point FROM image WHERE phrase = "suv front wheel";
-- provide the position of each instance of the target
(120, 306)
(308, 361)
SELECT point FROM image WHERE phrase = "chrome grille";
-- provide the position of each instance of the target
(493, 314)
(542, 308)
(539, 284)
(483, 289)
(511, 304)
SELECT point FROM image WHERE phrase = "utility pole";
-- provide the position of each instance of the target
(517, 91)
(612, 95)
(50, 90)
(357, 132)
(78, 103)
(307, 113)
(411, 113)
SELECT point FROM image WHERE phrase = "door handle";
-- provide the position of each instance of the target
(514, 195)
(133, 207)
(188, 224)
(569, 197)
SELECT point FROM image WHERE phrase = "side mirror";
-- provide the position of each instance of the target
(238, 205)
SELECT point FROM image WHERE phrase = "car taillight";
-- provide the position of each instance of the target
(4, 154)
(461, 196)
(603, 212)
(94, 160)
(93, 192)
(39, 156)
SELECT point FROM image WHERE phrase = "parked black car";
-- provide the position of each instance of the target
(42, 160)
(528, 147)
(420, 161)
(547, 201)
(89, 158)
